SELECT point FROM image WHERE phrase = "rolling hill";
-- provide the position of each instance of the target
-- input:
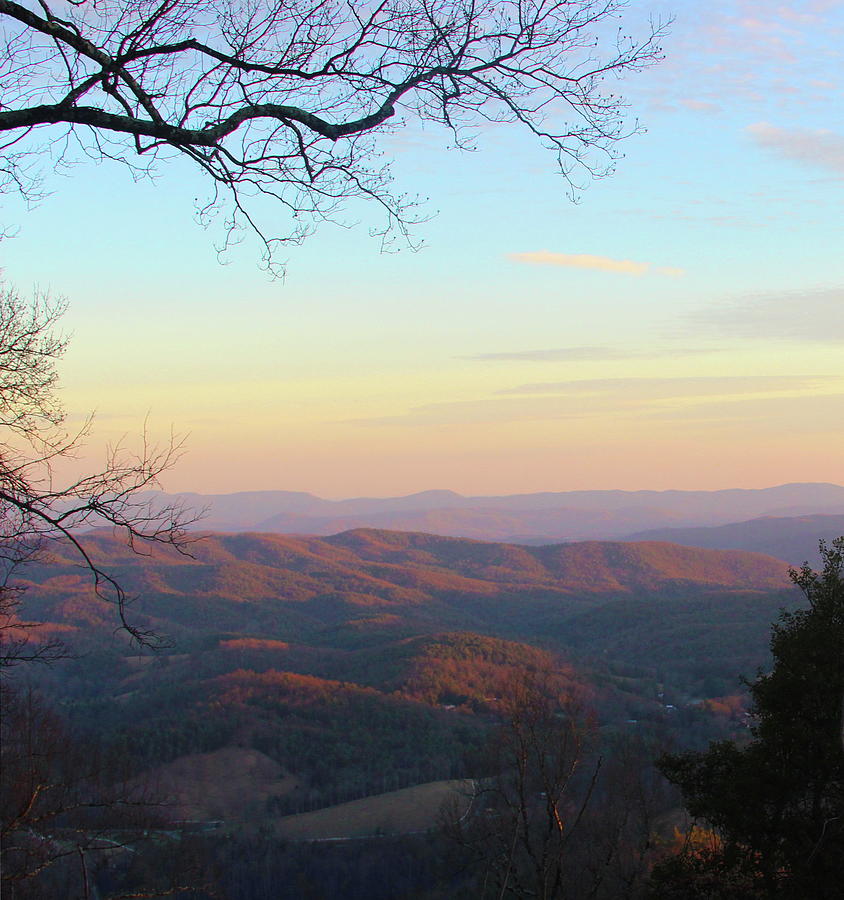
(344, 606)
(368, 581)
(370, 661)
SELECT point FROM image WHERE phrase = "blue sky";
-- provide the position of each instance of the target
(682, 325)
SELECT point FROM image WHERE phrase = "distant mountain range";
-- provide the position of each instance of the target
(794, 539)
(518, 518)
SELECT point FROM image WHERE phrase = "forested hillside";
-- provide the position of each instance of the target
(298, 673)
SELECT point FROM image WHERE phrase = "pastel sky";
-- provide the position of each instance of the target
(681, 326)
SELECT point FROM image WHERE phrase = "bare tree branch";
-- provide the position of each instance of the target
(286, 99)
(35, 507)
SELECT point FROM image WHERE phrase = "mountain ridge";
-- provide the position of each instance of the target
(794, 538)
(287, 586)
(544, 517)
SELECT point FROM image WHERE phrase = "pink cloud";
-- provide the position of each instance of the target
(819, 148)
(700, 105)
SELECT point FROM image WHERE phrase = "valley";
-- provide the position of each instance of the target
(371, 660)
(321, 690)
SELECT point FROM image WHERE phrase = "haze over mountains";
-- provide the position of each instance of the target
(524, 518)
(794, 539)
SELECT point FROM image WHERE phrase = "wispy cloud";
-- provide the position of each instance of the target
(811, 315)
(695, 105)
(694, 386)
(616, 398)
(586, 354)
(814, 413)
(820, 149)
(556, 354)
(588, 261)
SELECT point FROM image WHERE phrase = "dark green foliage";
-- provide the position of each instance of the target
(777, 802)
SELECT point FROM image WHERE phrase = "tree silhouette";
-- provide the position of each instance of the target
(282, 100)
(557, 815)
(35, 507)
(777, 803)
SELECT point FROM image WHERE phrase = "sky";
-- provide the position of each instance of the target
(680, 326)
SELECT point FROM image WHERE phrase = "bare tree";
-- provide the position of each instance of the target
(560, 813)
(284, 100)
(36, 507)
(529, 808)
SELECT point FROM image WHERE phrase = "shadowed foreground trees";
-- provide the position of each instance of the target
(75, 822)
(560, 814)
(281, 101)
(776, 804)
